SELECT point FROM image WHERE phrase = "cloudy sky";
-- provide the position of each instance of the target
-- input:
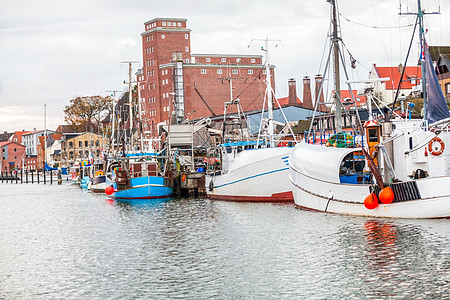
(52, 51)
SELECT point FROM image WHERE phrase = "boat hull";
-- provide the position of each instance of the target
(148, 187)
(99, 184)
(348, 199)
(264, 177)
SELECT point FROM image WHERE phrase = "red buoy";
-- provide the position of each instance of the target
(371, 201)
(386, 195)
(109, 190)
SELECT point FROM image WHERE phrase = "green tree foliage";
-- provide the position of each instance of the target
(85, 113)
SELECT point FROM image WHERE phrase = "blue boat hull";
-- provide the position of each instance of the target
(85, 182)
(149, 187)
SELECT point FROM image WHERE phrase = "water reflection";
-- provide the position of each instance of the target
(392, 258)
(140, 203)
(78, 245)
(381, 240)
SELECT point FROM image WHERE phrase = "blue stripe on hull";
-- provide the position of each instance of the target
(250, 177)
(149, 187)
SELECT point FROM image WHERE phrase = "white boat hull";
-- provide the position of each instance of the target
(333, 197)
(256, 175)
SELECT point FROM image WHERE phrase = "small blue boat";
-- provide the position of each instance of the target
(147, 187)
(85, 182)
(141, 180)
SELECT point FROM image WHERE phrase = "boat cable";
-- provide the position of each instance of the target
(404, 69)
(253, 81)
(421, 143)
(376, 27)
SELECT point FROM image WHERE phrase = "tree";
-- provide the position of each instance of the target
(85, 113)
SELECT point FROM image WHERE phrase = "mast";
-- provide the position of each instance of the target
(130, 100)
(269, 93)
(140, 115)
(337, 80)
(422, 60)
(45, 133)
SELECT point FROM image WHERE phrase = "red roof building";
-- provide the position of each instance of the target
(17, 136)
(346, 98)
(410, 83)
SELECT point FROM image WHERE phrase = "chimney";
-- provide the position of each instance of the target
(292, 92)
(5, 132)
(317, 84)
(307, 100)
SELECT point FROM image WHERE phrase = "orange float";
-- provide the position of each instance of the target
(109, 190)
(386, 195)
(371, 201)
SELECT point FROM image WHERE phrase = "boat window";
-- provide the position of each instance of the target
(373, 135)
(352, 168)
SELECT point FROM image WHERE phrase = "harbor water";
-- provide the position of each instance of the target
(61, 242)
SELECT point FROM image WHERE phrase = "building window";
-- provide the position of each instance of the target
(219, 71)
(187, 60)
(264, 72)
(253, 60)
(186, 49)
(447, 88)
(163, 23)
(250, 72)
(179, 24)
(235, 71)
(163, 36)
(203, 71)
(80, 143)
(70, 144)
(85, 143)
(208, 59)
(223, 60)
(238, 60)
(186, 36)
(167, 81)
(169, 24)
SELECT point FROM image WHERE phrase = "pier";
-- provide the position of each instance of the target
(32, 176)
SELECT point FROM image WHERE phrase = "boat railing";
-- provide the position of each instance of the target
(322, 138)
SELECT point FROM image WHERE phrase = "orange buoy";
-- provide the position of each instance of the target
(386, 195)
(371, 201)
(183, 178)
(109, 190)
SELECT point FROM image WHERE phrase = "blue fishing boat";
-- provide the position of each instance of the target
(139, 179)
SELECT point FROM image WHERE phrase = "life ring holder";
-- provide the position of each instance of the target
(436, 151)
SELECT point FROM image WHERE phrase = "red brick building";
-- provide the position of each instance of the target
(12, 156)
(199, 83)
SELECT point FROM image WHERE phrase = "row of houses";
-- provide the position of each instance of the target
(30, 150)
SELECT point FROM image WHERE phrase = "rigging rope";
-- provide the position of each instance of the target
(376, 27)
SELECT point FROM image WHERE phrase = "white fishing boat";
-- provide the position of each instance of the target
(250, 170)
(413, 160)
